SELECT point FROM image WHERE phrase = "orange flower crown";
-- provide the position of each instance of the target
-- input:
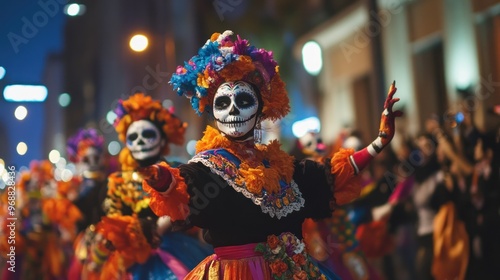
(142, 107)
(222, 60)
(43, 170)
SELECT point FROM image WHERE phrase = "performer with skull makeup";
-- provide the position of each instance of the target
(126, 238)
(250, 198)
(85, 149)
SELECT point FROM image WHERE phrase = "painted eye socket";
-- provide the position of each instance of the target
(244, 100)
(132, 136)
(222, 102)
(88, 159)
(149, 133)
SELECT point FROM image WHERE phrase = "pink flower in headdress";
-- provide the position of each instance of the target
(180, 70)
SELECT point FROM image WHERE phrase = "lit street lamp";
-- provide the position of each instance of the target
(138, 43)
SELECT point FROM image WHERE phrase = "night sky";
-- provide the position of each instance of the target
(29, 30)
(21, 56)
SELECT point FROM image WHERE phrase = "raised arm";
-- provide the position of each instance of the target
(362, 158)
(346, 163)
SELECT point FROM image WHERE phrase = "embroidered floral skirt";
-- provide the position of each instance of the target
(280, 257)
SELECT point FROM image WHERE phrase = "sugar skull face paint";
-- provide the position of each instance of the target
(235, 108)
(143, 140)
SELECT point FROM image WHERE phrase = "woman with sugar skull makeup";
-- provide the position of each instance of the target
(85, 150)
(124, 241)
(250, 198)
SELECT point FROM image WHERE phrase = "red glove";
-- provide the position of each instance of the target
(157, 176)
(387, 120)
(386, 132)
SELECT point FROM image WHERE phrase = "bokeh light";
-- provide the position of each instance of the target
(64, 99)
(190, 147)
(54, 156)
(300, 128)
(25, 93)
(22, 148)
(110, 117)
(167, 103)
(20, 113)
(312, 57)
(74, 9)
(61, 163)
(138, 43)
(114, 148)
(66, 175)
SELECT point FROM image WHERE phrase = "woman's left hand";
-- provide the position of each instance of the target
(387, 120)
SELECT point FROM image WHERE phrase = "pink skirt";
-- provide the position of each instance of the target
(232, 262)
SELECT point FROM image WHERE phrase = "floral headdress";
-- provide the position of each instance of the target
(142, 107)
(44, 171)
(222, 60)
(82, 140)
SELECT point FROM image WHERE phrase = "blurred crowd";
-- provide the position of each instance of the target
(429, 208)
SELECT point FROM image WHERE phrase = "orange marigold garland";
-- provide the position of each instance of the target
(238, 69)
(253, 173)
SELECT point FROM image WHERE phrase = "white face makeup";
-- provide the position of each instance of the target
(143, 140)
(91, 160)
(235, 108)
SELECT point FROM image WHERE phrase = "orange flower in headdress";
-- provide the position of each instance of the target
(43, 169)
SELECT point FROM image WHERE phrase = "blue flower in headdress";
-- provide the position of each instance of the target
(209, 49)
(195, 104)
(220, 62)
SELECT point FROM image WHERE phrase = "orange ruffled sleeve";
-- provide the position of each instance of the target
(347, 185)
(172, 203)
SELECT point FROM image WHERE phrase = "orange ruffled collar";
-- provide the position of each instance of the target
(252, 157)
